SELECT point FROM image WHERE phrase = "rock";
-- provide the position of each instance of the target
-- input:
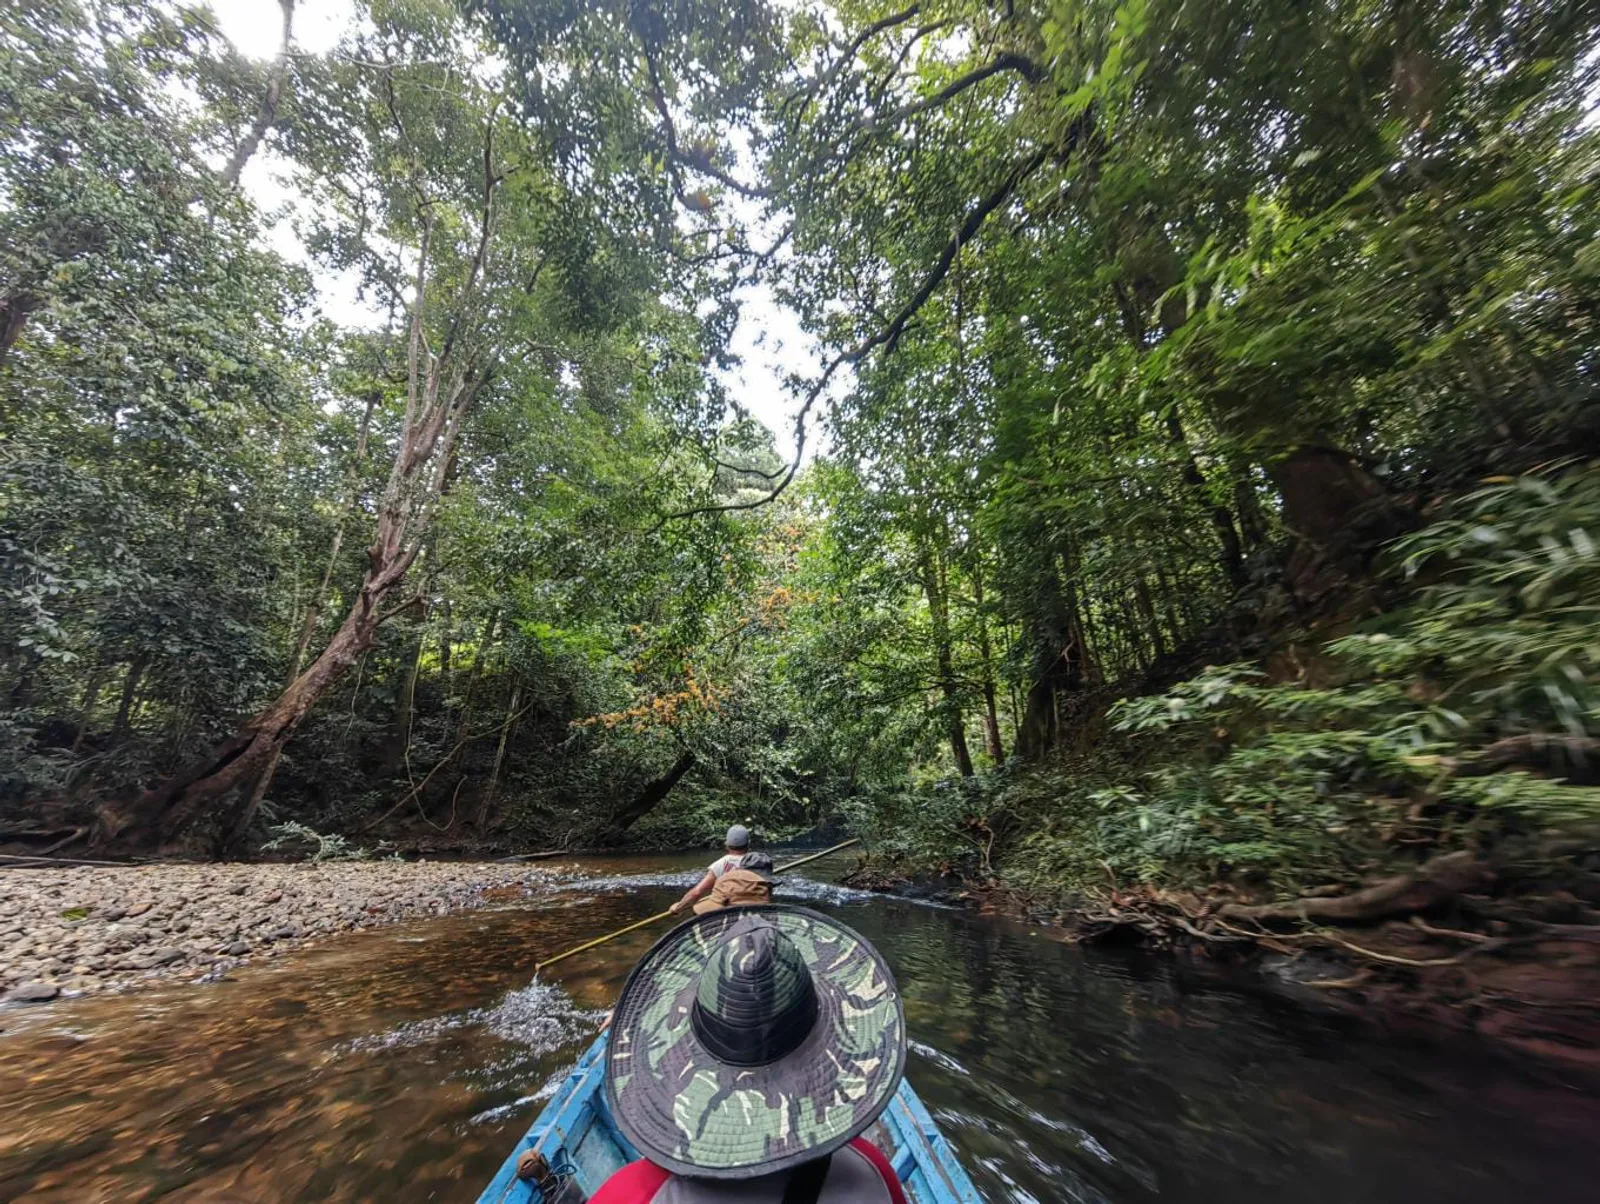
(284, 933)
(156, 957)
(33, 992)
(238, 949)
(111, 914)
(274, 897)
(238, 888)
(138, 909)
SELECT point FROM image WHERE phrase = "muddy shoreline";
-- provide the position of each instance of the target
(85, 930)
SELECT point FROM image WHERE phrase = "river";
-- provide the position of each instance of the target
(402, 1064)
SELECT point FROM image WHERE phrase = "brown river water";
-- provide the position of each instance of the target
(401, 1064)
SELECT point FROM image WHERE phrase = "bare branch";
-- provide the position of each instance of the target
(695, 157)
(490, 180)
(1008, 61)
(269, 104)
(812, 394)
(887, 337)
(826, 79)
(414, 350)
(747, 470)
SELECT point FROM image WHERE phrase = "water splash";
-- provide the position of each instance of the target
(540, 1018)
(491, 1116)
(939, 1058)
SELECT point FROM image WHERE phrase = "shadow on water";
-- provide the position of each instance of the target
(402, 1064)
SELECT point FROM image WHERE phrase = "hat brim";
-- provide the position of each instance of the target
(693, 1115)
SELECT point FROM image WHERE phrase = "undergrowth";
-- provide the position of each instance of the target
(1232, 777)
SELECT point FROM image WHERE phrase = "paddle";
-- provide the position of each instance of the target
(661, 915)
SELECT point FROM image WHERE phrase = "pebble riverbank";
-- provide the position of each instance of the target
(90, 929)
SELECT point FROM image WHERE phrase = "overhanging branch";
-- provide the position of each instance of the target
(696, 158)
(1009, 61)
(887, 337)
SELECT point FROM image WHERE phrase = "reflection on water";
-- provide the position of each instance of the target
(402, 1064)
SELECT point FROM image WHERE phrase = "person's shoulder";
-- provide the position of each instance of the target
(879, 1162)
(636, 1183)
(724, 863)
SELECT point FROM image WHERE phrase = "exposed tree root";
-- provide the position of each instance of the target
(1433, 883)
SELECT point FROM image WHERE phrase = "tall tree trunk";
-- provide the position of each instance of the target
(934, 586)
(653, 792)
(1064, 669)
(1147, 611)
(91, 696)
(405, 705)
(993, 745)
(486, 807)
(478, 657)
(1221, 517)
(308, 624)
(130, 693)
(1164, 584)
(440, 389)
(1252, 525)
(444, 648)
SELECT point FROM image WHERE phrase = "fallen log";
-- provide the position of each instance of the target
(1575, 758)
(18, 860)
(1432, 883)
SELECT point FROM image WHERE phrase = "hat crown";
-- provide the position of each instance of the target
(756, 1000)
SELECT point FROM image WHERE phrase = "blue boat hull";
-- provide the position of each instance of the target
(575, 1134)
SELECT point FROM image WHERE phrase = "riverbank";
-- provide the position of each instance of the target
(1517, 976)
(87, 930)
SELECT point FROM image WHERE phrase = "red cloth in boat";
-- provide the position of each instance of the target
(859, 1173)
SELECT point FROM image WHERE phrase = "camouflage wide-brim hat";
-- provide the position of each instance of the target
(753, 1039)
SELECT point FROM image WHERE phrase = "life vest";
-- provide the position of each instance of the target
(857, 1174)
(735, 889)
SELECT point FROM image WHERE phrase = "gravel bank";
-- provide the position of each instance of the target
(81, 930)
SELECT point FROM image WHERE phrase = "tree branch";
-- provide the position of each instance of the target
(269, 104)
(745, 470)
(888, 337)
(695, 157)
(1008, 61)
(825, 80)
(490, 180)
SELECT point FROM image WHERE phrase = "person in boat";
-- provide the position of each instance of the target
(751, 1050)
(735, 846)
(746, 884)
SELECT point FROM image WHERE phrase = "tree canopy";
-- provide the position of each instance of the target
(1189, 378)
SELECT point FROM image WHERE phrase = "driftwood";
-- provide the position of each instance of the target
(1431, 884)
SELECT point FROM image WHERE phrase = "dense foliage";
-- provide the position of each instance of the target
(1208, 387)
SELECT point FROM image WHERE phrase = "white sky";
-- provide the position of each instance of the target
(769, 341)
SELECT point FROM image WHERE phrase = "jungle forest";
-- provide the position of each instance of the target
(1187, 483)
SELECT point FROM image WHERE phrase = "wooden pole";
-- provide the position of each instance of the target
(661, 915)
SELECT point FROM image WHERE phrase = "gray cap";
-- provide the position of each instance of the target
(738, 837)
